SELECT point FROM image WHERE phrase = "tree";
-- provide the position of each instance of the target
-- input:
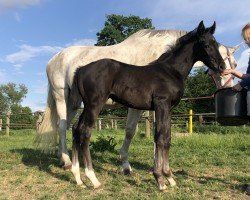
(118, 27)
(198, 84)
(11, 95)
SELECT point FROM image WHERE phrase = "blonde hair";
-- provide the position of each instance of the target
(246, 32)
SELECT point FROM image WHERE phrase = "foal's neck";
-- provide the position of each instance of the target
(180, 60)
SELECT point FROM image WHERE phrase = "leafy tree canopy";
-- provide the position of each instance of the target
(11, 96)
(118, 27)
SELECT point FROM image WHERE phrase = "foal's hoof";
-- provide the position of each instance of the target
(171, 182)
(97, 186)
(162, 187)
(127, 172)
(80, 183)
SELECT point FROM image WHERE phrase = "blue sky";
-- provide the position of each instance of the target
(32, 31)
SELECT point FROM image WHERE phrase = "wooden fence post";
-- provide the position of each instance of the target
(115, 124)
(112, 123)
(99, 124)
(39, 120)
(201, 119)
(8, 124)
(1, 124)
(147, 124)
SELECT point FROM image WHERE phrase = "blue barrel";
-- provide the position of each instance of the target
(231, 107)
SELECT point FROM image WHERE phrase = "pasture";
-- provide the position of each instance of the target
(206, 166)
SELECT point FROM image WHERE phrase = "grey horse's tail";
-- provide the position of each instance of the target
(46, 137)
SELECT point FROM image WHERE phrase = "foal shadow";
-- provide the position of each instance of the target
(115, 161)
(49, 163)
(44, 162)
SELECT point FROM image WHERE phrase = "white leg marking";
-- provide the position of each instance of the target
(163, 187)
(92, 177)
(126, 166)
(171, 182)
(75, 169)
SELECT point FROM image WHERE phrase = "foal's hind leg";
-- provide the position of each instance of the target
(86, 122)
(75, 169)
(132, 120)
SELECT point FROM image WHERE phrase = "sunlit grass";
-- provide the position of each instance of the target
(206, 166)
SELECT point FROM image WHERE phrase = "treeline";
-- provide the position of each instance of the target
(116, 29)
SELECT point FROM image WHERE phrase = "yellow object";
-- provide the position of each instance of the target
(190, 127)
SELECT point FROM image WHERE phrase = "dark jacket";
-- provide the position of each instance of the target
(246, 82)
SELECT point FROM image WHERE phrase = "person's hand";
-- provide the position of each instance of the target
(237, 87)
(227, 71)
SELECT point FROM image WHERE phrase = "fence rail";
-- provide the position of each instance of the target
(146, 122)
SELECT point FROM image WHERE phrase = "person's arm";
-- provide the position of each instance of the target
(236, 73)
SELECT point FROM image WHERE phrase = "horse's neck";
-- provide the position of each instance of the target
(180, 60)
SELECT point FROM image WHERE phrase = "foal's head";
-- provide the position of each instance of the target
(206, 48)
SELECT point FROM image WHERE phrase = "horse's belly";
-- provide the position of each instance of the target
(134, 99)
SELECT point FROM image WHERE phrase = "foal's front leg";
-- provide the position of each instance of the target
(162, 143)
(167, 143)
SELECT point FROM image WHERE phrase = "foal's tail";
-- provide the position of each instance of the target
(75, 97)
(46, 138)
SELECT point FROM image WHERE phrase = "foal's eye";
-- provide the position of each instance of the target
(206, 46)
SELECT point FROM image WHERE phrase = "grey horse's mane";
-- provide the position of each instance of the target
(150, 33)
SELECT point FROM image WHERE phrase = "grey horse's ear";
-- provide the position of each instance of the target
(212, 28)
(234, 49)
(200, 29)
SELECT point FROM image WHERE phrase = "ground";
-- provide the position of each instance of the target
(206, 166)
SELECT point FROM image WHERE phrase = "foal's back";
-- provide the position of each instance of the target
(132, 86)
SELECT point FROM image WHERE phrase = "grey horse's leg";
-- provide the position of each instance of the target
(132, 120)
(61, 106)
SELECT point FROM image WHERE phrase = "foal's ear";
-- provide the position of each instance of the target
(200, 29)
(212, 28)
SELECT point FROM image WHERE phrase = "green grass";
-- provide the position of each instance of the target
(206, 166)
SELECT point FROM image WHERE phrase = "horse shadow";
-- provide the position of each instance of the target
(47, 162)
(44, 162)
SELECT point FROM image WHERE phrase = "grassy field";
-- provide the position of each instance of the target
(206, 166)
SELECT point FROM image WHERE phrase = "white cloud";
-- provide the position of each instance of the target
(34, 105)
(82, 42)
(3, 77)
(41, 74)
(41, 89)
(6, 5)
(18, 17)
(28, 52)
